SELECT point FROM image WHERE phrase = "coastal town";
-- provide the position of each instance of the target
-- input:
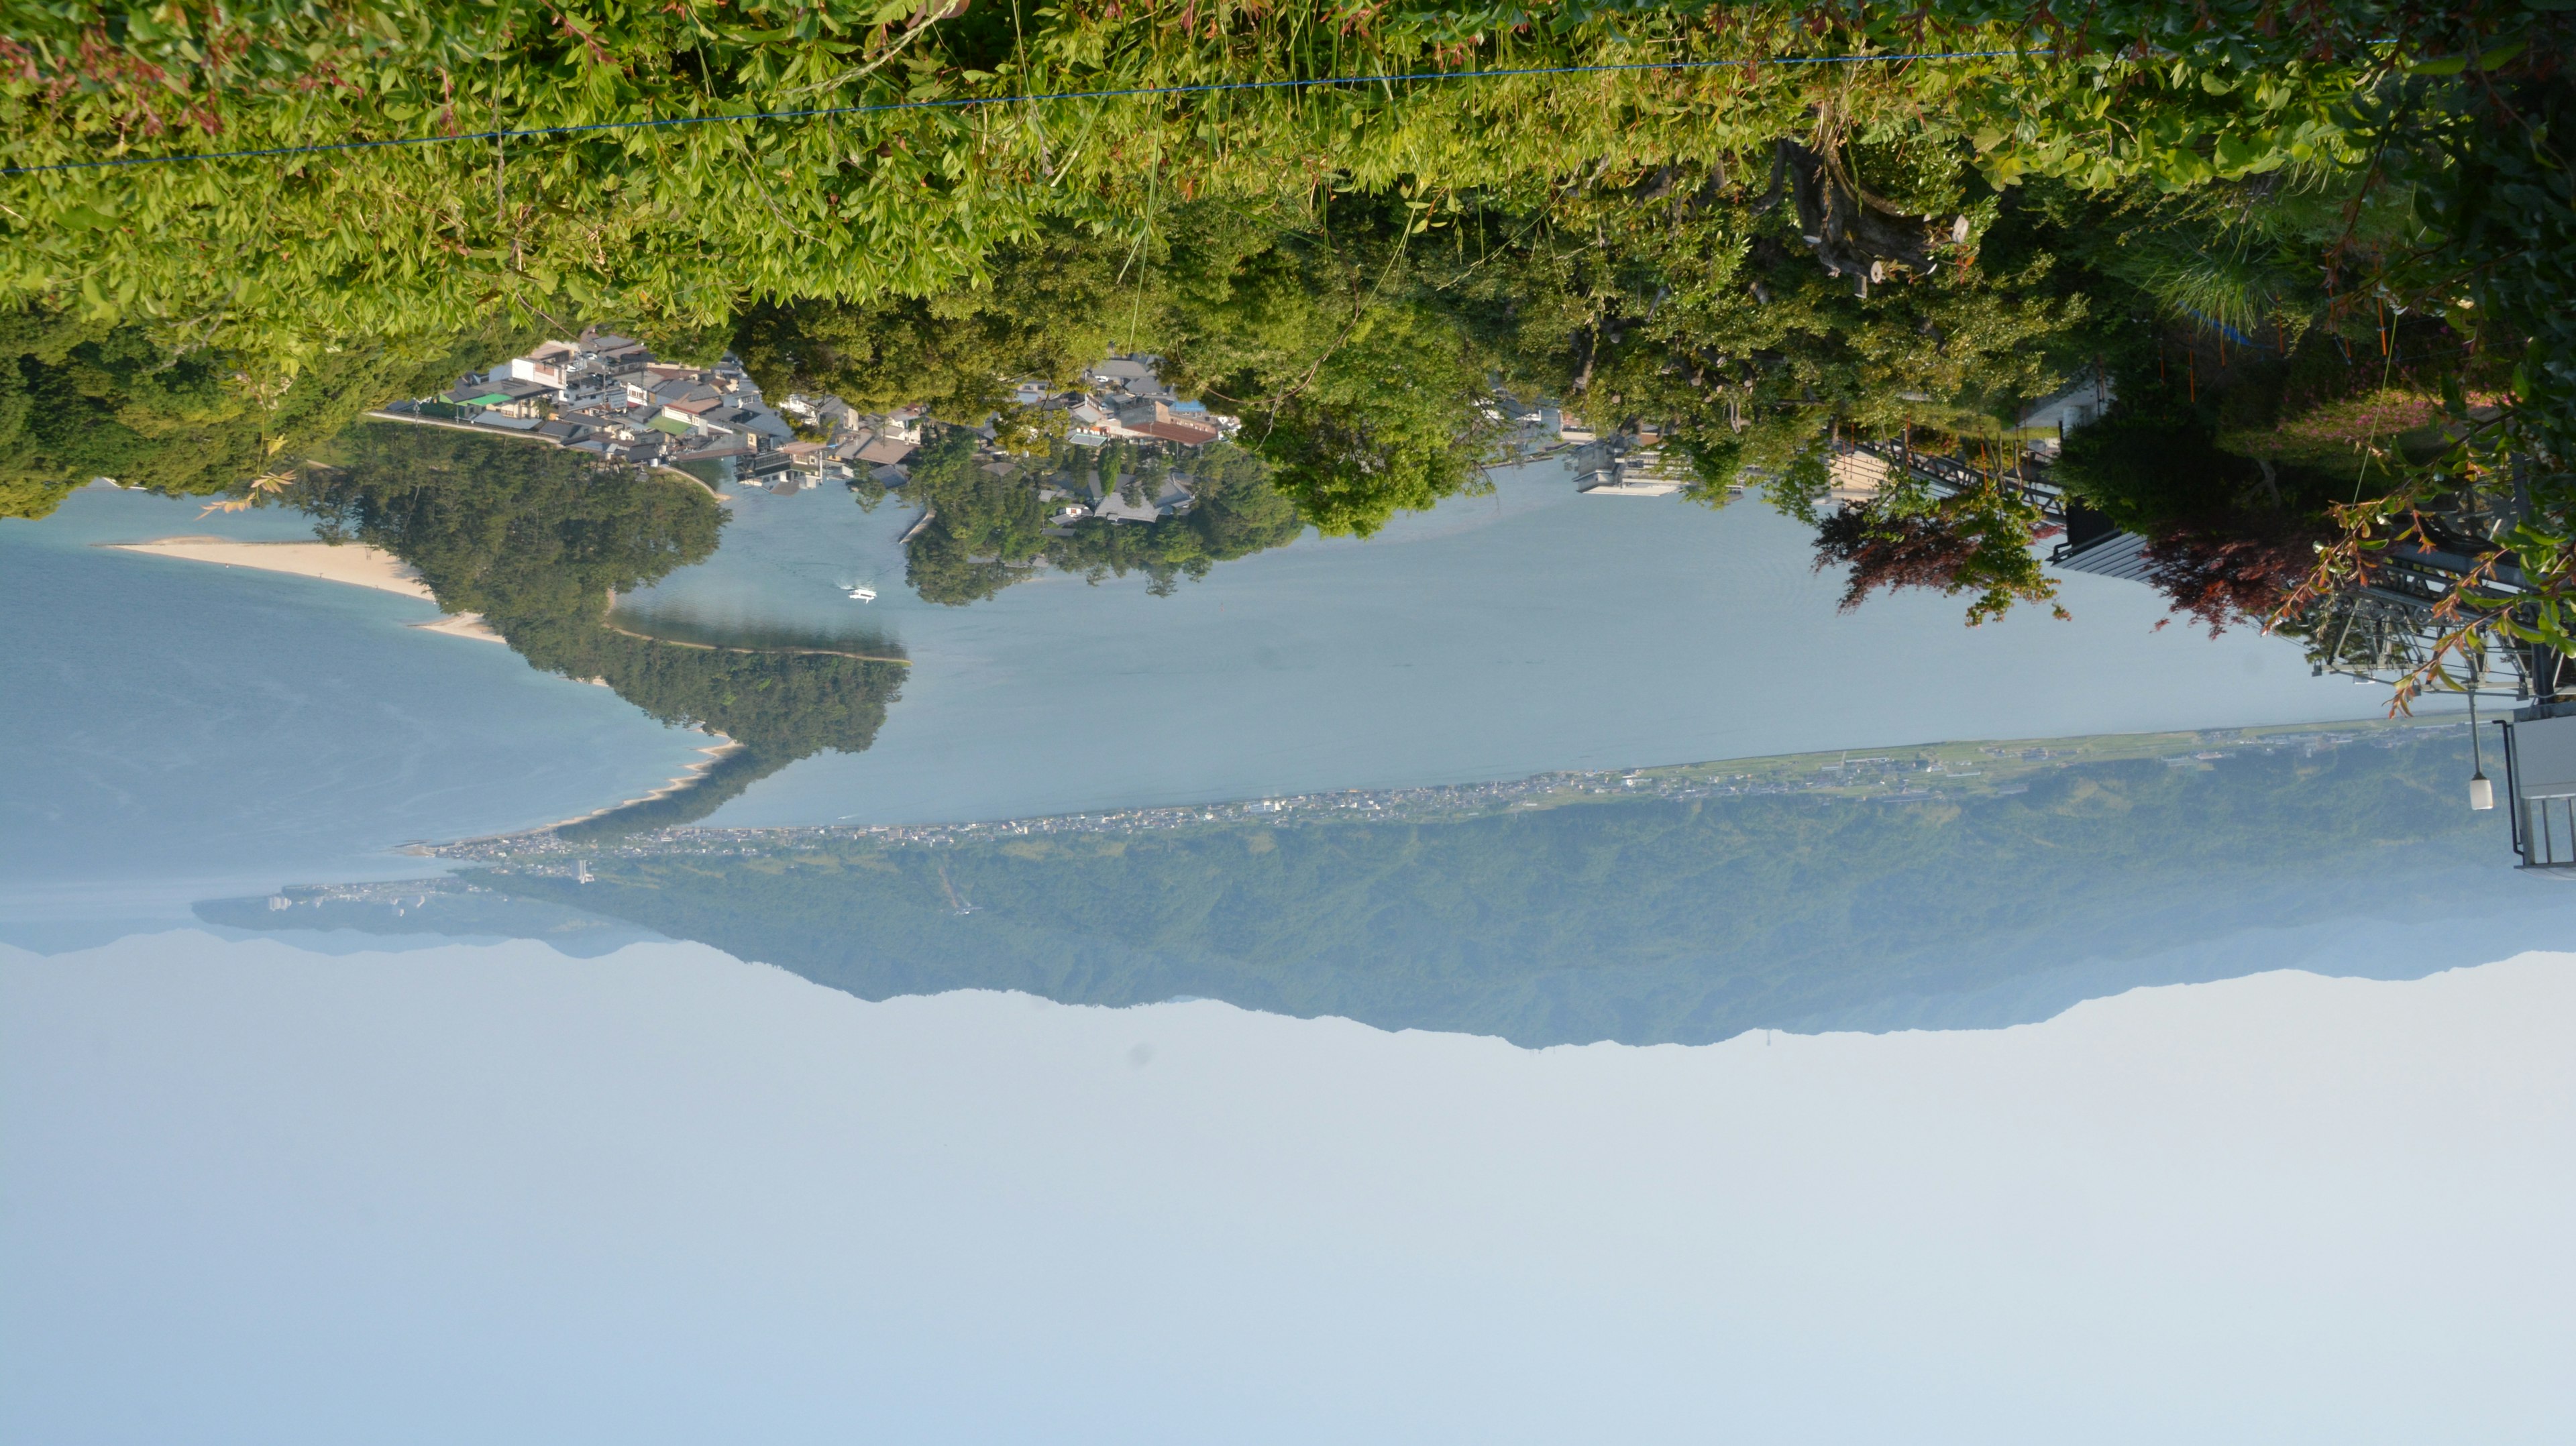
(609, 396)
(1896, 776)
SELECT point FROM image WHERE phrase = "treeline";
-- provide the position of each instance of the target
(83, 398)
(1237, 511)
(1362, 341)
(1642, 921)
(676, 226)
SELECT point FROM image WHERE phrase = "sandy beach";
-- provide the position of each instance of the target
(464, 625)
(352, 563)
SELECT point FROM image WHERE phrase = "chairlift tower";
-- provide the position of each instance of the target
(2382, 631)
(2389, 628)
(2381, 634)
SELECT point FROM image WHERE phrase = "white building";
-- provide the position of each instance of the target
(1645, 472)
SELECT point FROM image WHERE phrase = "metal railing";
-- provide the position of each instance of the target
(2545, 833)
(1950, 476)
(2544, 829)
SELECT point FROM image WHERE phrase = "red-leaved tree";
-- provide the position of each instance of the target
(1975, 542)
(2225, 575)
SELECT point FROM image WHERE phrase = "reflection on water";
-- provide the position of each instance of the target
(1496, 636)
(685, 624)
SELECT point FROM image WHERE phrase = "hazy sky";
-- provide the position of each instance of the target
(496, 1194)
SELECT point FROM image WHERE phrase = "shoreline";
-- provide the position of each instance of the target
(709, 757)
(353, 564)
(728, 648)
(1939, 773)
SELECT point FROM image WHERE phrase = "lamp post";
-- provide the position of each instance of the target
(2481, 788)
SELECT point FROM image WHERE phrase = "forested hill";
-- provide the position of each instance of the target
(1640, 921)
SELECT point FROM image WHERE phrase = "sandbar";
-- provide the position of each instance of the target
(353, 563)
(463, 625)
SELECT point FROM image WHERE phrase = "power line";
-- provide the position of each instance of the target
(501, 136)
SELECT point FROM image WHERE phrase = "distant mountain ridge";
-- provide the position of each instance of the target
(1645, 920)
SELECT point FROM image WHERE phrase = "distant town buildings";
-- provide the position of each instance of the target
(1123, 399)
(1949, 771)
(1638, 466)
(608, 395)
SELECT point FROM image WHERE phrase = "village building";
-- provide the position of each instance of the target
(1640, 467)
(608, 396)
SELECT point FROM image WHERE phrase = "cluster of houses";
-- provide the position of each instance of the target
(607, 395)
(1124, 399)
(1640, 468)
(1634, 462)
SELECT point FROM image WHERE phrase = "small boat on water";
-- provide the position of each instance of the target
(863, 594)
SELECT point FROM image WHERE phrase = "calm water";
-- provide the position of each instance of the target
(289, 730)
(1494, 637)
(182, 731)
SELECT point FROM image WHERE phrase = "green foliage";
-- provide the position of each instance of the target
(987, 528)
(1359, 388)
(1353, 383)
(1703, 311)
(504, 527)
(679, 227)
(1342, 265)
(537, 539)
(2482, 144)
(720, 783)
(985, 531)
(1237, 513)
(2152, 459)
(1044, 309)
(1977, 542)
(81, 399)
(1642, 921)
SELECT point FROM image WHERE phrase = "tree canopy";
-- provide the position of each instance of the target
(1757, 226)
(87, 398)
(537, 539)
